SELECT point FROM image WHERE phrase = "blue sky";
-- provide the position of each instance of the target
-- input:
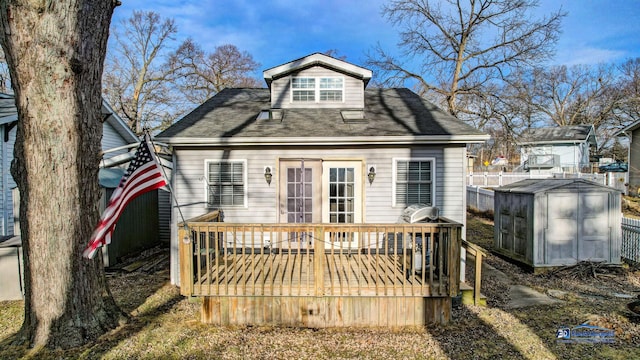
(275, 32)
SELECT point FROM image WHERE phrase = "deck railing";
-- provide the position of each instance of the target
(228, 259)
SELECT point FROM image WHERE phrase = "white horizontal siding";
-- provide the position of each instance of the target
(189, 186)
(4, 191)
(111, 139)
(353, 96)
(8, 183)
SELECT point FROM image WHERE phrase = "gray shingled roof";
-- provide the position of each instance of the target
(232, 113)
(579, 133)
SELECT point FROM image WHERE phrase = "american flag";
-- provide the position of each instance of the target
(143, 175)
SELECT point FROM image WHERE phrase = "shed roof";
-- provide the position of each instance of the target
(533, 186)
(559, 134)
(231, 117)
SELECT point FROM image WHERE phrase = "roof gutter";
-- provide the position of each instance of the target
(360, 140)
(569, 142)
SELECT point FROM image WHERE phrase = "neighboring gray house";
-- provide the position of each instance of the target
(115, 134)
(557, 149)
(278, 154)
(633, 133)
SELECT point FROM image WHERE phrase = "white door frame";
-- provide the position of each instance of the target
(346, 199)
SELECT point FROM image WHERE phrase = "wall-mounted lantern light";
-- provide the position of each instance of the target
(267, 174)
(372, 174)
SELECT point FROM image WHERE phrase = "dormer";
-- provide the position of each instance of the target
(317, 81)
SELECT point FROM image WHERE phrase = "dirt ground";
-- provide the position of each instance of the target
(631, 207)
(590, 292)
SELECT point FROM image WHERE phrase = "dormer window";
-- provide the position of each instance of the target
(303, 89)
(324, 89)
(331, 89)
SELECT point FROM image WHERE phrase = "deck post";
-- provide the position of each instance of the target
(478, 278)
(454, 260)
(186, 262)
(318, 260)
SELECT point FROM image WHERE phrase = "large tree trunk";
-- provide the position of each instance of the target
(55, 51)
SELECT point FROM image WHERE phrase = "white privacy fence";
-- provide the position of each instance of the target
(494, 179)
(479, 199)
(482, 200)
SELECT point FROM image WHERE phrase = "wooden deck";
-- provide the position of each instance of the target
(321, 275)
(294, 274)
(271, 260)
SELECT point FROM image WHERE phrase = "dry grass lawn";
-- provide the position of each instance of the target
(164, 325)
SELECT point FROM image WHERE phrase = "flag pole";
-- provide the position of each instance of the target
(143, 175)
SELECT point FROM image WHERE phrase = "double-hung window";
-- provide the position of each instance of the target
(303, 89)
(331, 89)
(226, 183)
(414, 182)
(322, 89)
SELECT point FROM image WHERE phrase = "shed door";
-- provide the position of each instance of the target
(594, 228)
(562, 228)
(577, 228)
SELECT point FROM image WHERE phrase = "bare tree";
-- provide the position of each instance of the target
(137, 79)
(200, 75)
(629, 86)
(459, 47)
(563, 96)
(571, 95)
(55, 51)
(335, 53)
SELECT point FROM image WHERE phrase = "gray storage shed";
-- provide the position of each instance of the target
(556, 222)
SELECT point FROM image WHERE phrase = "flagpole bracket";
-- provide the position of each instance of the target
(186, 240)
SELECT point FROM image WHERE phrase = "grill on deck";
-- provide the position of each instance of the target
(414, 246)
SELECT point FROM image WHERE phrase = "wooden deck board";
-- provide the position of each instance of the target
(288, 274)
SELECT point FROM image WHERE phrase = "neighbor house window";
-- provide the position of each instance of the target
(324, 89)
(414, 182)
(226, 183)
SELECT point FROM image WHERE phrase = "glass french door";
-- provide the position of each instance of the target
(300, 198)
(342, 200)
(314, 191)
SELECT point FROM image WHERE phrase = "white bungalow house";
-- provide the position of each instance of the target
(315, 167)
(557, 149)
